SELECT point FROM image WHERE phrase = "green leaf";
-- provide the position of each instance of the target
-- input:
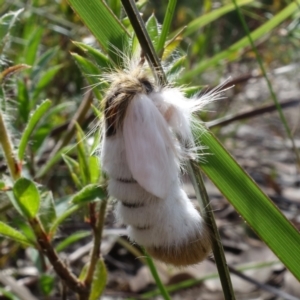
(73, 167)
(89, 193)
(47, 284)
(8, 295)
(83, 154)
(73, 238)
(23, 100)
(90, 72)
(53, 160)
(45, 79)
(47, 213)
(255, 207)
(11, 233)
(211, 16)
(96, 142)
(2, 184)
(27, 197)
(6, 23)
(177, 65)
(99, 280)
(34, 119)
(95, 169)
(166, 27)
(32, 46)
(99, 58)
(97, 15)
(192, 90)
(43, 61)
(152, 28)
(115, 6)
(233, 51)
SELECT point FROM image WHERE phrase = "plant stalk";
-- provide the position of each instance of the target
(209, 218)
(60, 268)
(12, 162)
(144, 40)
(96, 252)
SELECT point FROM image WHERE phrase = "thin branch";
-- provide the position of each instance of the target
(95, 255)
(216, 240)
(60, 268)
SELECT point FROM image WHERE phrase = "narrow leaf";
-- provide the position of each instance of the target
(96, 16)
(89, 193)
(233, 51)
(53, 160)
(83, 153)
(211, 16)
(90, 72)
(6, 23)
(73, 238)
(47, 213)
(34, 119)
(153, 30)
(27, 197)
(166, 27)
(32, 46)
(256, 208)
(99, 280)
(73, 167)
(95, 170)
(45, 79)
(11, 233)
(98, 57)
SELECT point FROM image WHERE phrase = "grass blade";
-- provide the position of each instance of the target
(269, 84)
(156, 277)
(35, 118)
(233, 51)
(165, 27)
(212, 16)
(97, 15)
(255, 207)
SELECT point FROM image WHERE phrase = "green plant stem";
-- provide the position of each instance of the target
(208, 216)
(270, 87)
(156, 277)
(95, 255)
(13, 165)
(189, 283)
(144, 40)
(60, 268)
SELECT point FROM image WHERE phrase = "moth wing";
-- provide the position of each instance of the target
(149, 146)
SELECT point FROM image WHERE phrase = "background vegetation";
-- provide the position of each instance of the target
(44, 56)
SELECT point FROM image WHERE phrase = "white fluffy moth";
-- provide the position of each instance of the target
(147, 138)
